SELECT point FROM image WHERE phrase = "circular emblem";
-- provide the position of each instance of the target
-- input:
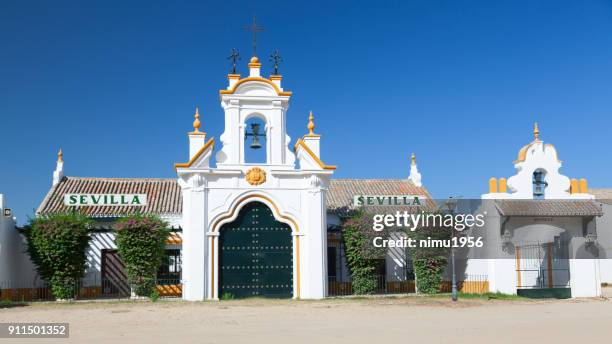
(256, 176)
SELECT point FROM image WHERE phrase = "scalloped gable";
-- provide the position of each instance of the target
(244, 83)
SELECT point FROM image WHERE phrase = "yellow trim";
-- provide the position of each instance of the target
(210, 143)
(276, 77)
(233, 76)
(254, 65)
(493, 185)
(256, 78)
(583, 186)
(522, 155)
(300, 142)
(503, 185)
(215, 228)
(174, 239)
(574, 186)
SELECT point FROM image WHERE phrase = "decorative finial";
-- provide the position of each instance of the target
(60, 156)
(536, 131)
(276, 59)
(311, 125)
(196, 122)
(413, 159)
(234, 56)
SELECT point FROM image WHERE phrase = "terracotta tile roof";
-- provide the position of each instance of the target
(342, 191)
(550, 208)
(164, 195)
(602, 195)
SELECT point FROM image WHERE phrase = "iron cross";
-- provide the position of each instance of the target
(254, 28)
(276, 59)
(234, 56)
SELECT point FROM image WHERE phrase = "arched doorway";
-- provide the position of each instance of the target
(255, 255)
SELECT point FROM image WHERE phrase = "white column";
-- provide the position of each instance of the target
(314, 241)
(194, 244)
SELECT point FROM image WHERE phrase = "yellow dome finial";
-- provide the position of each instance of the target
(60, 156)
(311, 125)
(536, 131)
(413, 159)
(196, 122)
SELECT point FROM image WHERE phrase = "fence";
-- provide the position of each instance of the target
(85, 289)
(473, 284)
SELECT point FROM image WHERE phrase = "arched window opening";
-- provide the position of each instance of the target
(255, 143)
(539, 184)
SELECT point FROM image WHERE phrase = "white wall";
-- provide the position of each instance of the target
(604, 239)
(16, 268)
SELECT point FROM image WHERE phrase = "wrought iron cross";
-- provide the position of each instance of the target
(234, 56)
(277, 59)
(254, 28)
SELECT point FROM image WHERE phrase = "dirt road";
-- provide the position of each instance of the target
(381, 320)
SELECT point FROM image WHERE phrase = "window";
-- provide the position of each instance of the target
(170, 269)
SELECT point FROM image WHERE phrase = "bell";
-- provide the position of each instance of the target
(255, 144)
(539, 184)
(255, 133)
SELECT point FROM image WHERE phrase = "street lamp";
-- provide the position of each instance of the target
(451, 204)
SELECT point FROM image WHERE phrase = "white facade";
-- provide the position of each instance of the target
(213, 196)
(16, 268)
(504, 272)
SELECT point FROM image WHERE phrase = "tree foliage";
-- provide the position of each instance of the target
(141, 240)
(57, 245)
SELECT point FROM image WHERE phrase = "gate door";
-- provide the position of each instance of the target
(114, 280)
(256, 255)
(542, 270)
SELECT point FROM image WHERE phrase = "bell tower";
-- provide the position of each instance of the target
(261, 98)
(287, 190)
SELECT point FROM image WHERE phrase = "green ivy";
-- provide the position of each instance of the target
(57, 245)
(429, 263)
(360, 254)
(141, 240)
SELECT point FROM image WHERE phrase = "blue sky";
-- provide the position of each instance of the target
(459, 83)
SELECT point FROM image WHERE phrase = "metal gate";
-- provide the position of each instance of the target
(114, 279)
(256, 255)
(542, 270)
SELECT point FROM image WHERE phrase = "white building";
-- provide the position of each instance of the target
(541, 230)
(16, 269)
(242, 227)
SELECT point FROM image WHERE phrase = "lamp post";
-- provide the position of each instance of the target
(451, 204)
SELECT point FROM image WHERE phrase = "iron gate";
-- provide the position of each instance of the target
(256, 255)
(542, 270)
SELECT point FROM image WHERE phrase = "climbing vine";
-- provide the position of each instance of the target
(57, 245)
(141, 240)
(361, 255)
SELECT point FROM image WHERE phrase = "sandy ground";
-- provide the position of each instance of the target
(408, 319)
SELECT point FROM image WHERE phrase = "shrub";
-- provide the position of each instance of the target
(57, 245)
(429, 263)
(140, 242)
(361, 255)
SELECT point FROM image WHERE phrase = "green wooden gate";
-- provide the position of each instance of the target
(256, 255)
